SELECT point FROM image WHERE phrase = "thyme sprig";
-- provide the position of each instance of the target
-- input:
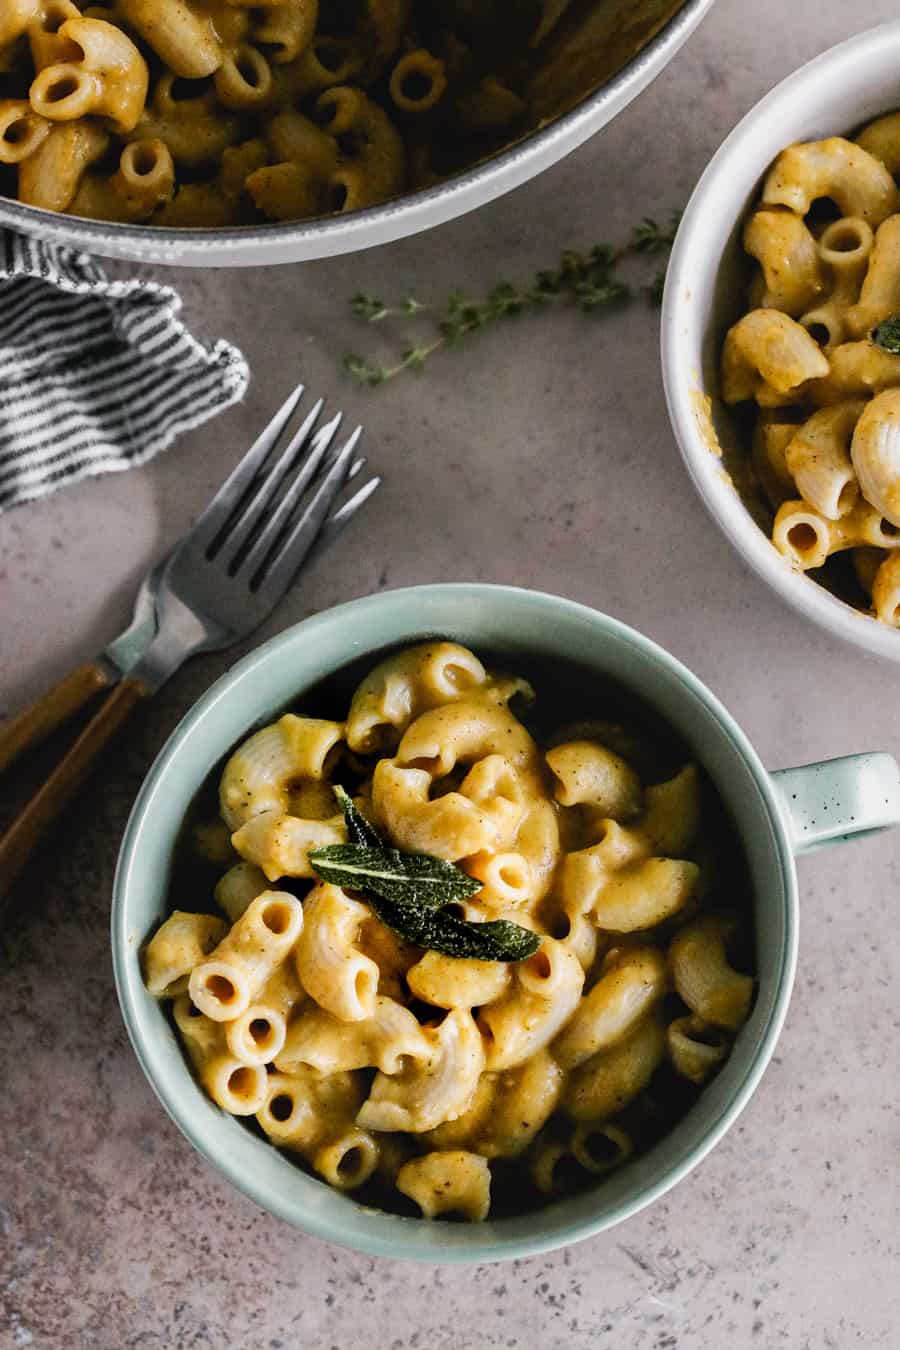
(587, 280)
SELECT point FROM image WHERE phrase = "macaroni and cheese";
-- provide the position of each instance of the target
(443, 1084)
(818, 356)
(215, 113)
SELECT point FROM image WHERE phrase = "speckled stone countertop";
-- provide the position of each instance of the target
(542, 457)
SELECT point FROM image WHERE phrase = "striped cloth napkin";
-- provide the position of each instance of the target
(95, 375)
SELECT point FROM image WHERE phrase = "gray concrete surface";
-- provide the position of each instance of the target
(540, 456)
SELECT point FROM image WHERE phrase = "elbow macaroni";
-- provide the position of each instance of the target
(835, 168)
(767, 354)
(330, 1044)
(260, 775)
(223, 985)
(604, 1085)
(258, 1034)
(180, 944)
(818, 459)
(826, 450)
(546, 989)
(429, 1092)
(51, 175)
(103, 75)
(454, 1182)
(875, 451)
(522, 1102)
(786, 251)
(617, 1002)
(239, 885)
(464, 1085)
(588, 774)
(331, 967)
(454, 982)
(702, 975)
(145, 180)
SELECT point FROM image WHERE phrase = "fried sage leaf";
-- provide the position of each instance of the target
(419, 878)
(440, 931)
(359, 831)
(409, 893)
(886, 335)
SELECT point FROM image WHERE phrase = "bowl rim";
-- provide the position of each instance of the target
(696, 252)
(404, 215)
(475, 1248)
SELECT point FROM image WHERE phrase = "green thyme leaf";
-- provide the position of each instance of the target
(359, 830)
(887, 335)
(369, 308)
(591, 295)
(649, 237)
(362, 370)
(438, 931)
(417, 877)
(414, 358)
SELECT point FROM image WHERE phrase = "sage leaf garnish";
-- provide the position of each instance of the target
(359, 831)
(410, 892)
(886, 335)
(429, 882)
(440, 931)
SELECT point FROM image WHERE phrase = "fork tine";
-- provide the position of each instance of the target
(229, 494)
(273, 579)
(338, 521)
(335, 524)
(239, 529)
(315, 460)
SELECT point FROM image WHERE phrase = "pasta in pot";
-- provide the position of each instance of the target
(396, 94)
(453, 1083)
(818, 354)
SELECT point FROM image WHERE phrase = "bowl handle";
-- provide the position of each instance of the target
(839, 799)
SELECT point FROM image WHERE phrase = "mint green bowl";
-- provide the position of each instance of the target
(776, 816)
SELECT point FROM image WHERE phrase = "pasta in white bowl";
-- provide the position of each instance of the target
(780, 304)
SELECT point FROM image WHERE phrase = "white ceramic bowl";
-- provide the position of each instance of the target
(705, 293)
(254, 246)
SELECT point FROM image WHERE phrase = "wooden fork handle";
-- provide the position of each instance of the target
(34, 724)
(34, 823)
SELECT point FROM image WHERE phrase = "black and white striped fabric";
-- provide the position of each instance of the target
(96, 375)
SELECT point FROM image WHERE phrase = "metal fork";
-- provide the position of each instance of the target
(219, 583)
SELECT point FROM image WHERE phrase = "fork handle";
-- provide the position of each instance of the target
(35, 724)
(33, 824)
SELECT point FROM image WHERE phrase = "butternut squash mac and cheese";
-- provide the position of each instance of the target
(601, 888)
(227, 112)
(818, 358)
